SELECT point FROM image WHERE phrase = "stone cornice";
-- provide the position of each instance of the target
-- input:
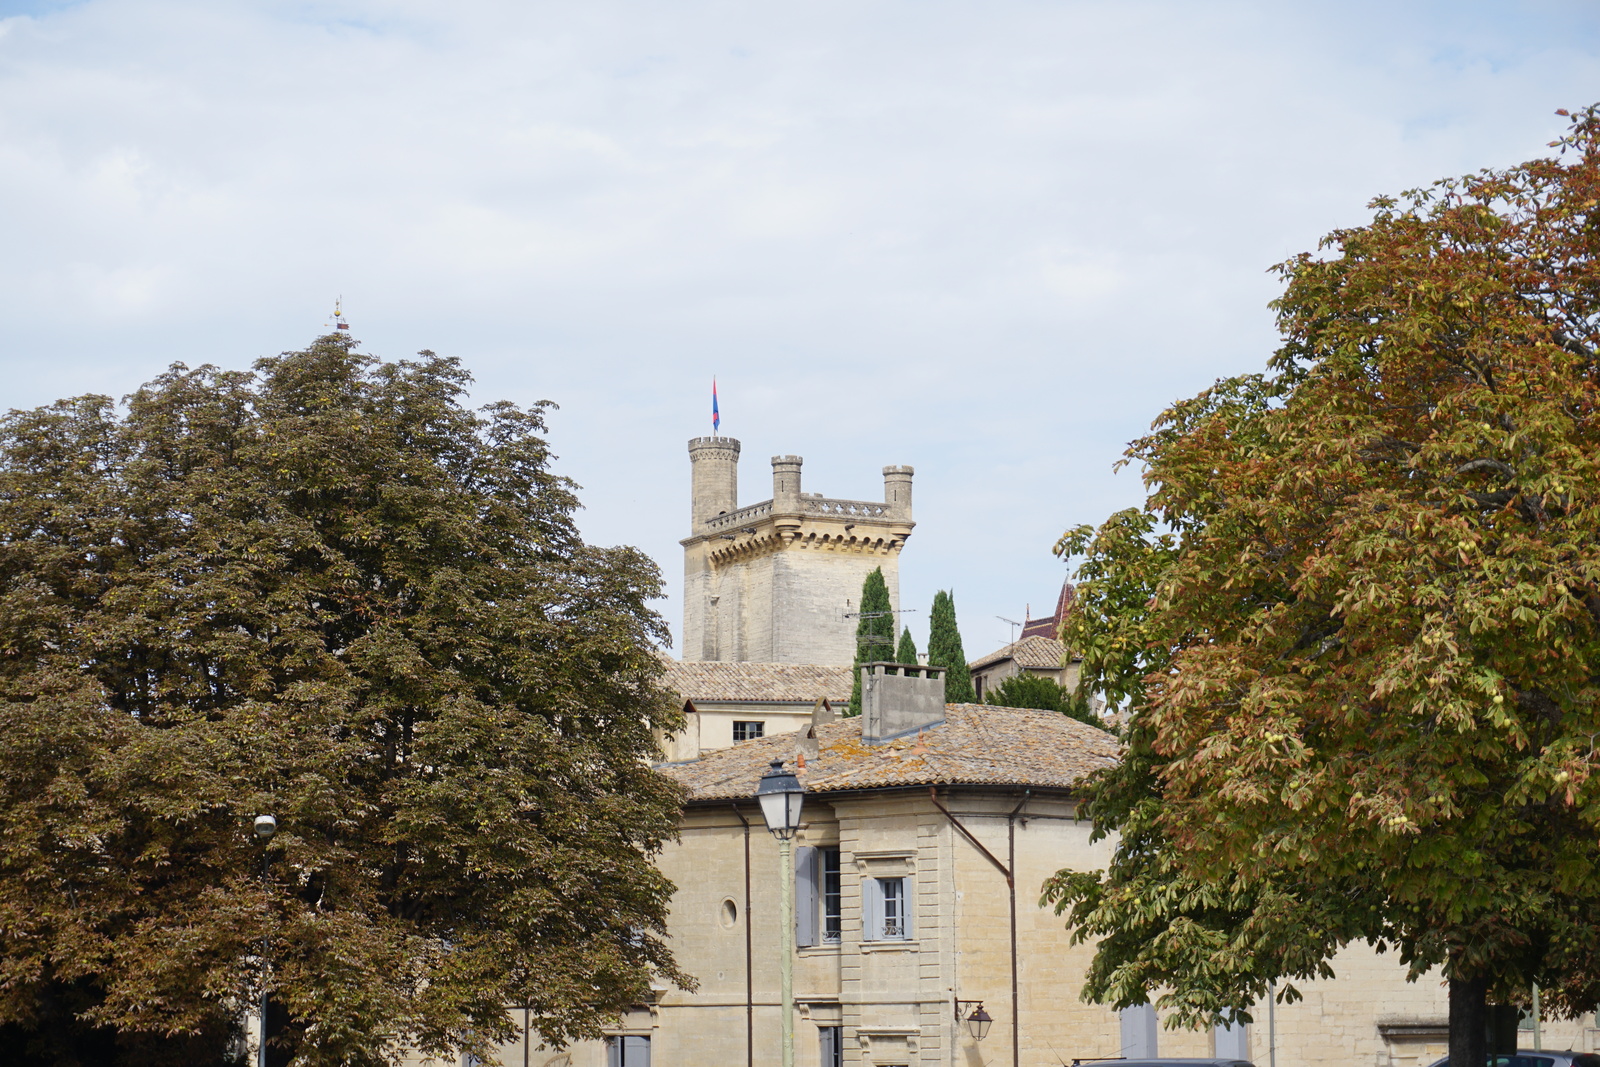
(757, 531)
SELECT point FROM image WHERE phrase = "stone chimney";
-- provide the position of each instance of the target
(899, 699)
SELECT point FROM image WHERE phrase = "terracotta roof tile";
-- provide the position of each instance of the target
(975, 745)
(798, 683)
(1040, 653)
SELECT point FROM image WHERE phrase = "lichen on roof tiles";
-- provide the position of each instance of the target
(975, 745)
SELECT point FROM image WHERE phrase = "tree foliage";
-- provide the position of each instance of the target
(1027, 690)
(944, 650)
(907, 650)
(1358, 623)
(875, 628)
(328, 591)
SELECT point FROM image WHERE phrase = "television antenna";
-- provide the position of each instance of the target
(1014, 624)
(873, 640)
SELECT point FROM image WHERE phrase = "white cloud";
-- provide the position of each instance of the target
(991, 240)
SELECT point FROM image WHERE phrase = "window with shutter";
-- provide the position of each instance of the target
(886, 909)
(832, 1046)
(628, 1051)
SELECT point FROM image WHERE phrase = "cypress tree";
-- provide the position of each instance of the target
(907, 652)
(874, 631)
(944, 650)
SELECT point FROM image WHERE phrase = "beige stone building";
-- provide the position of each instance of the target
(1042, 656)
(724, 703)
(777, 581)
(927, 832)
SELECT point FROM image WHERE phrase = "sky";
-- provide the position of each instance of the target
(990, 240)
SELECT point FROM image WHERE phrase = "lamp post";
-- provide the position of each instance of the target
(781, 795)
(265, 827)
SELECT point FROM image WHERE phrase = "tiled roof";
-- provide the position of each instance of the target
(1039, 653)
(1050, 625)
(798, 683)
(975, 745)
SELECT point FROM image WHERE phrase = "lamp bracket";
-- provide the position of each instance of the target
(970, 1007)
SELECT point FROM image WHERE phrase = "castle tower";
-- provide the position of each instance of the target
(775, 582)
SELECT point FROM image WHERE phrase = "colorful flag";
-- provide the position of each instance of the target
(716, 417)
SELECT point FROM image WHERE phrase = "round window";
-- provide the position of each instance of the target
(728, 914)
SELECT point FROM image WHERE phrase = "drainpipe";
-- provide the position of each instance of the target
(749, 979)
(1011, 890)
(1011, 887)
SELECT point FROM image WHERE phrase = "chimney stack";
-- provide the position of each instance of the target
(899, 699)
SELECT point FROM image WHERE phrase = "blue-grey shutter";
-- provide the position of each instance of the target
(1139, 1029)
(805, 895)
(871, 910)
(908, 907)
(614, 1052)
(1231, 1042)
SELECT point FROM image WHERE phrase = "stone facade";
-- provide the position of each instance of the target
(722, 701)
(775, 582)
(980, 793)
(1043, 656)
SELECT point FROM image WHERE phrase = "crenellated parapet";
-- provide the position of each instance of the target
(777, 581)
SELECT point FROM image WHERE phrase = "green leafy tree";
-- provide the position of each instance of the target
(944, 650)
(907, 652)
(327, 591)
(874, 631)
(1358, 625)
(1045, 694)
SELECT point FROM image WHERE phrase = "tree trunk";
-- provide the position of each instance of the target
(1469, 1022)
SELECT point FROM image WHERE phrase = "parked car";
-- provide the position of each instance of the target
(1527, 1057)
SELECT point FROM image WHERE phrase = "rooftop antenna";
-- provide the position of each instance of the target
(1014, 624)
(870, 640)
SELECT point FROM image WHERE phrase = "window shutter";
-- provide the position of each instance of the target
(908, 909)
(613, 1052)
(805, 896)
(871, 909)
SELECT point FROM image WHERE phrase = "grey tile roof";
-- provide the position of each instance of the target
(798, 683)
(975, 745)
(1040, 653)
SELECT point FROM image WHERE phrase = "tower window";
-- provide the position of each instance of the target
(749, 731)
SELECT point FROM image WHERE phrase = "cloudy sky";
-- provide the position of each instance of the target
(991, 240)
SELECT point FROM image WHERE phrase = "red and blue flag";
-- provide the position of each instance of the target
(716, 416)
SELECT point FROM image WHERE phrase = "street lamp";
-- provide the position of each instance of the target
(265, 826)
(781, 795)
(978, 1020)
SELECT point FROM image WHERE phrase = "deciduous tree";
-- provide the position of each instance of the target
(1358, 623)
(328, 591)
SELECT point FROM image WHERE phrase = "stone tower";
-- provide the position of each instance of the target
(774, 582)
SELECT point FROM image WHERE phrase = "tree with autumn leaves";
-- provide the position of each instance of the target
(1357, 623)
(328, 591)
